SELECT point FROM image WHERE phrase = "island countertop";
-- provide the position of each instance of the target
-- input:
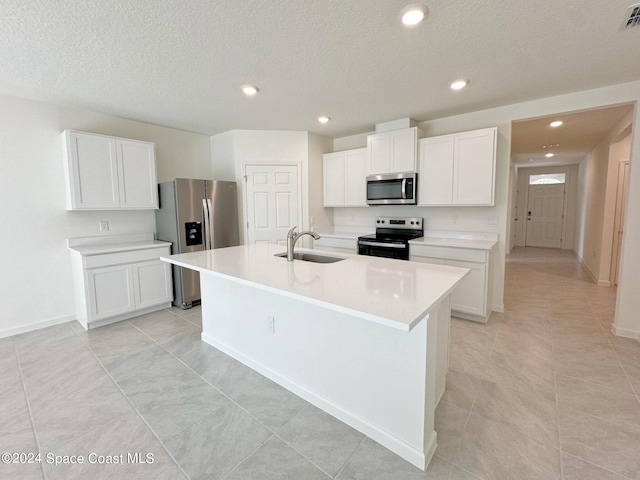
(395, 293)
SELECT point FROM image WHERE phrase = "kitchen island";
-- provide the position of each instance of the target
(365, 338)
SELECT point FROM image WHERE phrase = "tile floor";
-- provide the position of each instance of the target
(543, 391)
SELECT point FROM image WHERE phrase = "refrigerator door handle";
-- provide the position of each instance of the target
(210, 231)
(205, 217)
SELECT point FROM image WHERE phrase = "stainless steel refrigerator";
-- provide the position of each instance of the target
(196, 215)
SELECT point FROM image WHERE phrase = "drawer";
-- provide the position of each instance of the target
(107, 259)
(449, 253)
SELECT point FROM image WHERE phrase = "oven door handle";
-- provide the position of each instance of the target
(379, 244)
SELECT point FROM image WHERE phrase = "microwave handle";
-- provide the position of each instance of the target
(404, 188)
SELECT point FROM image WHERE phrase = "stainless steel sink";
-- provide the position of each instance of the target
(312, 257)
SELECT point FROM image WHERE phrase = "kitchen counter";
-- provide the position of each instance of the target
(390, 292)
(351, 234)
(365, 339)
(471, 240)
(104, 244)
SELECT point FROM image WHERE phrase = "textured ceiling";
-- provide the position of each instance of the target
(181, 63)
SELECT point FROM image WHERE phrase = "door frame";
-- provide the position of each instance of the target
(245, 208)
(618, 226)
(522, 201)
(564, 211)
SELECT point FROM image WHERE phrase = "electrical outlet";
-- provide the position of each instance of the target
(271, 324)
(454, 219)
(104, 226)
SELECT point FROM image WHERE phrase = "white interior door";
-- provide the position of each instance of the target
(544, 216)
(621, 201)
(272, 200)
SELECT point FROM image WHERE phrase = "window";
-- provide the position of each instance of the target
(547, 178)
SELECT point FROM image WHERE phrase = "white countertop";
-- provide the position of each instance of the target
(470, 243)
(395, 293)
(330, 232)
(103, 244)
(471, 240)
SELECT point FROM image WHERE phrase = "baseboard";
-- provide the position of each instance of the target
(36, 326)
(406, 451)
(588, 270)
(625, 332)
(498, 308)
(604, 283)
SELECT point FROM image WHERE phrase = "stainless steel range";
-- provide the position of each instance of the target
(392, 237)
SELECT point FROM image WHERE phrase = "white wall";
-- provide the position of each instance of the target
(475, 219)
(319, 216)
(35, 273)
(232, 150)
(597, 196)
(619, 151)
(627, 322)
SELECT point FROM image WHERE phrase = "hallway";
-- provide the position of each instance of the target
(544, 390)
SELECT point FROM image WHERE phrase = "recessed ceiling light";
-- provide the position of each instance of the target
(323, 119)
(556, 124)
(249, 90)
(458, 84)
(413, 14)
(548, 155)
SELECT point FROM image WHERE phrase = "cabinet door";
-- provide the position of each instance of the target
(333, 179)
(474, 167)
(137, 174)
(435, 181)
(110, 291)
(379, 153)
(152, 283)
(93, 172)
(403, 150)
(355, 172)
(469, 296)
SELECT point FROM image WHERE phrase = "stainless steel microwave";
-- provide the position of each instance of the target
(392, 189)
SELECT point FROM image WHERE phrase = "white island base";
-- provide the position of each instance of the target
(379, 380)
(383, 379)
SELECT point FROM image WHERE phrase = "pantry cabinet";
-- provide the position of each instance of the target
(109, 173)
(344, 178)
(393, 151)
(458, 169)
(116, 281)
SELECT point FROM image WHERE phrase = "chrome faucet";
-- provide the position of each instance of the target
(292, 238)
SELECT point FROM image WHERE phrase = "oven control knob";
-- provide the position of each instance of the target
(418, 222)
(412, 223)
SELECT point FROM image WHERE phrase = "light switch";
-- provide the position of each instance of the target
(104, 226)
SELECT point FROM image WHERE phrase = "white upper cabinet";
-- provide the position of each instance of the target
(435, 177)
(391, 152)
(458, 169)
(344, 178)
(108, 173)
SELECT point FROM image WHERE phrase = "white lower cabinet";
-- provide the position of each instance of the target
(111, 287)
(471, 299)
(110, 292)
